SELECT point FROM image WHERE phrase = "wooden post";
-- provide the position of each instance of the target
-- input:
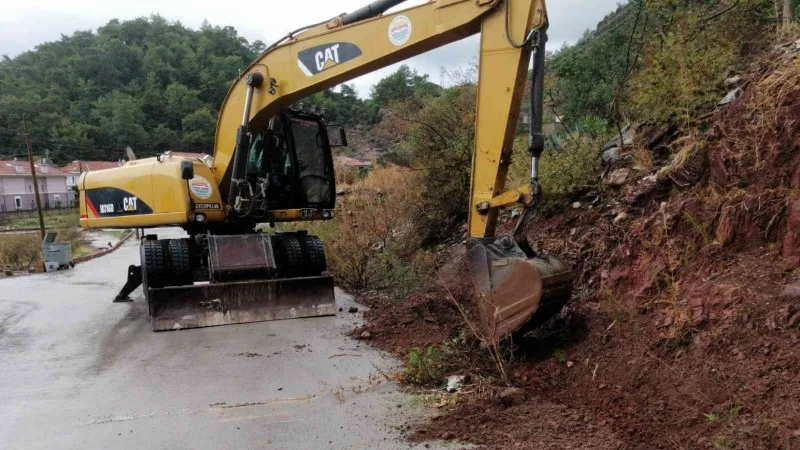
(33, 174)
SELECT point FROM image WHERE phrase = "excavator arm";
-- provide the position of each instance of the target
(355, 44)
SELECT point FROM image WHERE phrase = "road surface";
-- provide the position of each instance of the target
(80, 372)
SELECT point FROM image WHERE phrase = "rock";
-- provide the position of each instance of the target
(649, 136)
(512, 396)
(726, 230)
(621, 217)
(731, 96)
(576, 205)
(611, 155)
(791, 291)
(733, 81)
(448, 435)
(793, 320)
(340, 192)
(570, 364)
(515, 213)
(643, 190)
(454, 383)
(628, 134)
(352, 310)
(365, 335)
(617, 177)
(429, 319)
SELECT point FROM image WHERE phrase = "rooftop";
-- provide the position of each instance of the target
(23, 167)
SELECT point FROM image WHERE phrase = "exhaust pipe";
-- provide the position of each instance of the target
(374, 9)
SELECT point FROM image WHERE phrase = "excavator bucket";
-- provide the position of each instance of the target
(517, 290)
(212, 304)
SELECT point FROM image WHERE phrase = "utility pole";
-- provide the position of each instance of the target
(33, 174)
(787, 13)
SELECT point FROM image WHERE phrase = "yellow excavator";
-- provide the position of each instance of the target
(272, 163)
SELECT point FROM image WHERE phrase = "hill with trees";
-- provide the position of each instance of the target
(147, 83)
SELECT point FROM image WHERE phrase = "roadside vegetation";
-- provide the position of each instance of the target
(50, 222)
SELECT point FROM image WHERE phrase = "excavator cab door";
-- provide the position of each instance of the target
(300, 166)
(310, 150)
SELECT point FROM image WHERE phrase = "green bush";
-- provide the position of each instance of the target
(562, 171)
(424, 366)
(404, 276)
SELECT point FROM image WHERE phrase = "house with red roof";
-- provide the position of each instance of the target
(17, 191)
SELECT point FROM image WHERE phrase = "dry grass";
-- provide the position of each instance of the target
(643, 160)
(19, 251)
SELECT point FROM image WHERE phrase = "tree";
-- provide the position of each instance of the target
(198, 131)
(129, 83)
(120, 117)
(402, 85)
(180, 101)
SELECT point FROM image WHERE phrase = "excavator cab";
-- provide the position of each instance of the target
(293, 160)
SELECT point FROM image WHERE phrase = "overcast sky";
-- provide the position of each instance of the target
(26, 24)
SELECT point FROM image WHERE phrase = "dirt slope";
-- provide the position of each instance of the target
(685, 327)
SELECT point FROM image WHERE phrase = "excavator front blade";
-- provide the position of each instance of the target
(212, 304)
(516, 291)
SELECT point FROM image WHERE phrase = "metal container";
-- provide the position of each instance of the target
(56, 254)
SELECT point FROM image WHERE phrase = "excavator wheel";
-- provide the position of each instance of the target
(289, 256)
(154, 264)
(313, 255)
(153, 267)
(180, 262)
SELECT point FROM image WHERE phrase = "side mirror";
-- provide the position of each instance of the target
(187, 170)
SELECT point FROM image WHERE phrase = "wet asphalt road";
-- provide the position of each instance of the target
(79, 372)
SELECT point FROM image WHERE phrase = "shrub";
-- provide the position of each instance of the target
(424, 366)
(402, 277)
(19, 251)
(438, 140)
(372, 243)
(562, 171)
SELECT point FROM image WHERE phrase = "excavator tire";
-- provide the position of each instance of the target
(154, 267)
(290, 257)
(180, 262)
(313, 255)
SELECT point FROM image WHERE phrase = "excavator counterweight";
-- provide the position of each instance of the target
(273, 163)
